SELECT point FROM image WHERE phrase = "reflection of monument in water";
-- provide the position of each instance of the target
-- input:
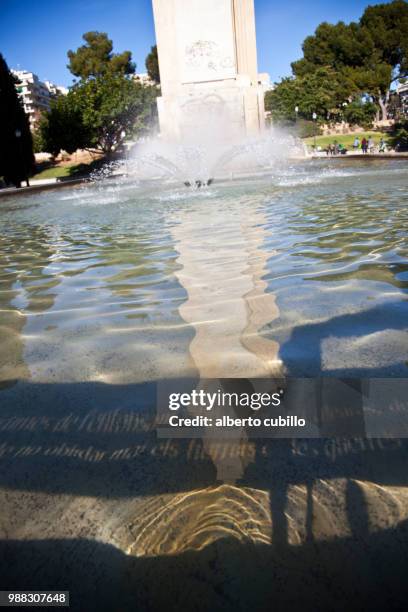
(222, 262)
(210, 94)
(227, 302)
(208, 68)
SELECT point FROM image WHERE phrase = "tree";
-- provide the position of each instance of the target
(99, 114)
(370, 54)
(63, 127)
(387, 25)
(38, 141)
(350, 51)
(336, 46)
(104, 107)
(388, 28)
(152, 65)
(16, 146)
(399, 136)
(281, 101)
(95, 58)
(321, 92)
(360, 112)
(113, 107)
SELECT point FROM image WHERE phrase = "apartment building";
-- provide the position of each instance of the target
(35, 95)
(56, 90)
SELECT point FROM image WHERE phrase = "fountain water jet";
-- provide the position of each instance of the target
(211, 111)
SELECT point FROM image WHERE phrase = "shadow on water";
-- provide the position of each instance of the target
(342, 252)
(335, 575)
(64, 444)
(72, 440)
(302, 351)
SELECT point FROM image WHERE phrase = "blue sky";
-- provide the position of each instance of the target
(36, 34)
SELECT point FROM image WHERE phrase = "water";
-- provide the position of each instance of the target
(109, 287)
(208, 154)
(302, 272)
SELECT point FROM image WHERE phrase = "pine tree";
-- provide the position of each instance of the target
(16, 144)
(152, 65)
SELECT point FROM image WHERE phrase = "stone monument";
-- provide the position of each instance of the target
(208, 68)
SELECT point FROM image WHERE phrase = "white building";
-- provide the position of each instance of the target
(35, 95)
(402, 91)
(56, 90)
(264, 80)
(143, 78)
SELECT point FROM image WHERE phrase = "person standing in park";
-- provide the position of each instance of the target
(364, 145)
(356, 144)
(370, 145)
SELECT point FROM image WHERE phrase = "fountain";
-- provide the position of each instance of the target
(292, 269)
(211, 111)
(198, 162)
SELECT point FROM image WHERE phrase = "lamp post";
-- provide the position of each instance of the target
(17, 134)
(123, 136)
(314, 131)
(344, 105)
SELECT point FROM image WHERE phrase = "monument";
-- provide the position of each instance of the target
(208, 68)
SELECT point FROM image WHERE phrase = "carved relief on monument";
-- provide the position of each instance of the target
(206, 49)
(215, 116)
(206, 54)
(210, 104)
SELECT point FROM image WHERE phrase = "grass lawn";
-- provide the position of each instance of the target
(73, 170)
(54, 172)
(345, 139)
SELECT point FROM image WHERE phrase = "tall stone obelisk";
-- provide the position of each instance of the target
(208, 68)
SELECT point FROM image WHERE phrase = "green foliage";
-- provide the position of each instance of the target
(388, 28)
(364, 57)
(95, 58)
(99, 113)
(360, 113)
(114, 107)
(63, 127)
(307, 129)
(320, 92)
(38, 141)
(152, 65)
(346, 140)
(281, 101)
(16, 146)
(48, 170)
(351, 52)
(336, 46)
(399, 136)
(104, 107)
